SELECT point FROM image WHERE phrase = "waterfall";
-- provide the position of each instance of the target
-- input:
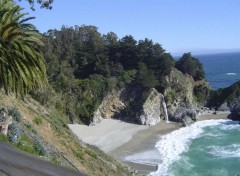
(165, 111)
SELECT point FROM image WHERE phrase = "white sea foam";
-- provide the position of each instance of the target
(150, 157)
(172, 145)
(231, 74)
(230, 151)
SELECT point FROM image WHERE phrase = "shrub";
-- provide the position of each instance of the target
(14, 132)
(14, 112)
(39, 147)
(38, 120)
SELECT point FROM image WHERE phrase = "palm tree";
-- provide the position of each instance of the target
(22, 66)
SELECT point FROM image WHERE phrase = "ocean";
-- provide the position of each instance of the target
(206, 148)
(221, 70)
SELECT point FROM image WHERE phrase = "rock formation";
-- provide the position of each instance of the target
(235, 109)
(110, 106)
(180, 97)
(183, 104)
(154, 109)
(5, 120)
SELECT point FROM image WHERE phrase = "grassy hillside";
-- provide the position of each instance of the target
(44, 132)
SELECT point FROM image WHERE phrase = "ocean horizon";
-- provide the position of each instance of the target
(221, 70)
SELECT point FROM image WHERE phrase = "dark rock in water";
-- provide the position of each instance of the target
(235, 109)
(224, 107)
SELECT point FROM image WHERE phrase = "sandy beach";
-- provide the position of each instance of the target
(121, 139)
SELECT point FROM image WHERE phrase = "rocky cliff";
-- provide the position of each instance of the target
(222, 98)
(184, 98)
(154, 109)
(111, 106)
(151, 111)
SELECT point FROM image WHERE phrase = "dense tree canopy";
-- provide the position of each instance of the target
(84, 63)
(22, 66)
(190, 65)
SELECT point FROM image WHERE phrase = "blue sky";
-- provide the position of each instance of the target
(198, 26)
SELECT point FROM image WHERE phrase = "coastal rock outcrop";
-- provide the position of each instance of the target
(154, 109)
(222, 98)
(235, 109)
(110, 106)
(224, 107)
(182, 97)
(185, 114)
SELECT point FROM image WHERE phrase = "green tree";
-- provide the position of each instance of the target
(22, 66)
(190, 65)
(146, 77)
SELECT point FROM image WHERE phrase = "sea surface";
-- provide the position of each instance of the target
(221, 70)
(206, 148)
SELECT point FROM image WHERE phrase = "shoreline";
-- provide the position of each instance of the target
(120, 139)
(139, 145)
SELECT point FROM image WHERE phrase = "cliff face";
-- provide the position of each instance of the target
(111, 105)
(184, 98)
(151, 112)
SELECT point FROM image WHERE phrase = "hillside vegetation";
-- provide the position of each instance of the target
(43, 132)
(84, 65)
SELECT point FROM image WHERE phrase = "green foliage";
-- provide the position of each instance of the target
(22, 66)
(3, 138)
(146, 77)
(84, 65)
(14, 132)
(92, 154)
(25, 144)
(127, 76)
(79, 154)
(38, 120)
(39, 147)
(190, 65)
(43, 3)
(201, 93)
(15, 113)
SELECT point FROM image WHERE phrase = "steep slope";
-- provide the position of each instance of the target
(61, 146)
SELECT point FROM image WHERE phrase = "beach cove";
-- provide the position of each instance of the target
(132, 144)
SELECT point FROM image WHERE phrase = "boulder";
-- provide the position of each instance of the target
(154, 108)
(184, 114)
(223, 107)
(235, 109)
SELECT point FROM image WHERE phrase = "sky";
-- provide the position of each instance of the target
(197, 26)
